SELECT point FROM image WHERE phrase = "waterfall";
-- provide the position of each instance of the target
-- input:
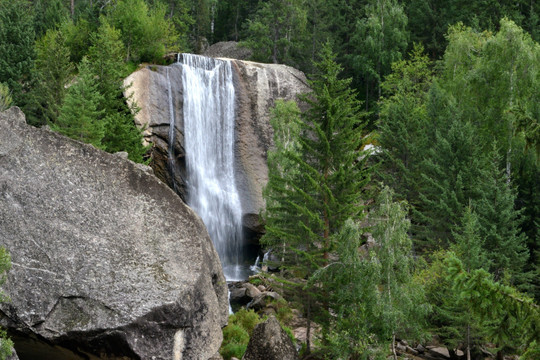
(209, 133)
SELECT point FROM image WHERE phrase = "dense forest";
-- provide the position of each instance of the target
(423, 131)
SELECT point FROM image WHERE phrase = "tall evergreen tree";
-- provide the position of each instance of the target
(105, 57)
(449, 172)
(279, 28)
(53, 70)
(311, 204)
(499, 222)
(80, 115)
(16, 46)
(402, 124)
(380, 39)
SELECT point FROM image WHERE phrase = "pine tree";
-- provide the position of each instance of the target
(512, 319)
(105, 60)
(80, 116)
(450, 170)
(379, 40)
(402, 124)
(499, 222)
(16, 46)
(316, 178)
(279, 28)
(52, 73)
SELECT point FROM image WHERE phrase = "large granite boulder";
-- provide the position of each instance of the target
(257, 86)
(270, 342)
(107, 261)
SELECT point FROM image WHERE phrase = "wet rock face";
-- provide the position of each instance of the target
(257, 86)
(106, 259)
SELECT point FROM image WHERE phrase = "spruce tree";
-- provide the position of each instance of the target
(80, 116)
(105, 60)
(402, 124)
(16, 46)
(52, 73)
(449, 173)
(316, 178)
(511, 319)
(499, 222)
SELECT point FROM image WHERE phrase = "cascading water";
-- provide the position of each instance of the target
(209, 119)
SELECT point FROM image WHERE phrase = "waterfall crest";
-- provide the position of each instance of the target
(209, 132)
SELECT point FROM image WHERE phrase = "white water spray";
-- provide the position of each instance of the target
(209, 119)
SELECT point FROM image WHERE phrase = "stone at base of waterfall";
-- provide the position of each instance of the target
(241, 293)
(262, 301)
(270, 342)
(439, 352)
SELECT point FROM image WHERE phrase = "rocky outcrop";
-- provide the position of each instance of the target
(228, 49)
(270, 342)
(106, 260)
(257, 87)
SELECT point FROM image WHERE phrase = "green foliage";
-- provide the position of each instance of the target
(372, 291)
(512, 318)
(16, 46)
(379, 39)
(81, 117)
(6, 345)
(494, 79)
(49, 14)
(78, 37)
(53, 71)
(236, 334)
(232, 349)
(146, 33)
(500, 221)
(5, 97)
(278, 29)
(105, 59)
(403, 122)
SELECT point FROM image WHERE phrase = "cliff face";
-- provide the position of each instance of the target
(257, 86)
(106, 259)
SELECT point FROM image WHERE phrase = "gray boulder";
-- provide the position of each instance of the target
(228, 49)
(269, 342)
(106, 259)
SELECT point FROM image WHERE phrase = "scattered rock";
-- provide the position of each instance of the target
(106, 259)
(270, 342)
(440, 351)
(251, 290)
(261, 301)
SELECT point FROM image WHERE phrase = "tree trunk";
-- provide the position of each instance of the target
(394, 346)
(308, 325)
(72, 9)
(468, 342)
